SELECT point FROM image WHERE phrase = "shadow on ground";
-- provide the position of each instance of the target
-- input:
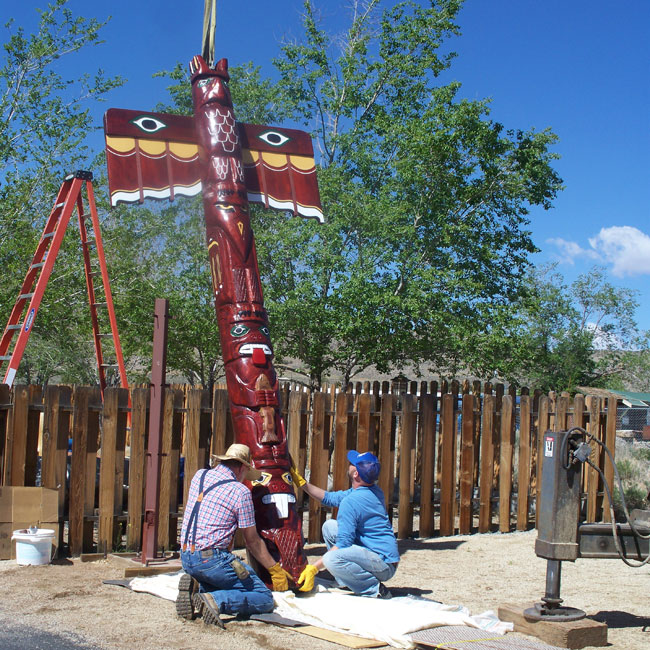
(616, 619)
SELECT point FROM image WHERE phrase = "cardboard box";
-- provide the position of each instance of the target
(8, 547)
(22, 507)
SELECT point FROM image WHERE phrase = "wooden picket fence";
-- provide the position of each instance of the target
(455, 458)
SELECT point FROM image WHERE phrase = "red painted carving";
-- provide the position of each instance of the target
(154, 155)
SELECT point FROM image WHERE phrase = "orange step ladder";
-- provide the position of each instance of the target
(23, 315)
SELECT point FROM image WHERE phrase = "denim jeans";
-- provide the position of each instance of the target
(355, 567)
(216, 576)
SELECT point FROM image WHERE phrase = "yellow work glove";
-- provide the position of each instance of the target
(279, 577)
(298, 479)
(306, 579)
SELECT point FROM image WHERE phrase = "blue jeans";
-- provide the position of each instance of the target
(355, 567)
(216, 576)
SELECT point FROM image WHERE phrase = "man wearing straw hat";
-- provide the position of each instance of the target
(361, 546)
(216, 581)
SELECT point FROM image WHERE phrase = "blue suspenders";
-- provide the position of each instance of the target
(192, 522)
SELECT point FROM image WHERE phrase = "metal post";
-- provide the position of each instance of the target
(158, 370)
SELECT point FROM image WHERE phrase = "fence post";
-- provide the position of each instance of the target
(466, 464)
(428, 407)
(487, 465)
(139, 401)
(406, 469)
(523, 482)
(386, 431)
(610, 441)
(318, 464)
(505, 476)
(448, 466)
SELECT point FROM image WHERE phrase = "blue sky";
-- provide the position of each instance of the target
(581, 67)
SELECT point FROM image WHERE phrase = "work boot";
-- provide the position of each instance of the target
(187, 586)
(209, 609)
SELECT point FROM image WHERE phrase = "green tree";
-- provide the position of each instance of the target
(44, 119)
(582, 334)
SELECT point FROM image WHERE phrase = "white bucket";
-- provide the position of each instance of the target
(34, 545)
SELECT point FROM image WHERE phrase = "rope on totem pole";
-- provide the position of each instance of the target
(209, 28)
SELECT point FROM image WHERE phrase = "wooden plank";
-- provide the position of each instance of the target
(498, 406)
(448, 466)
(341, 446)
(561, 412)
(78, 469)
(363, 424)
(592, 479)
(543, 425)
(166, 486)
(564, 634)
(466, 464)
(523, 473)
(487, 465)
(191, 438)
(506, 452)
(56, 431)
(293, 424)
(5, 410)
(219, 421)
(610, 442)
(406, 474)
(386, 443)
(139, 428)
(318, 463)
(33, 434)
(428, 407)
(108, 471)
(17, 437)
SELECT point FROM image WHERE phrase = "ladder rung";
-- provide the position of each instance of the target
(48, 235)
(100, 335)
(59, 205)
(95, 273)
(25, 296)
(85, 216)
(38, 265)
(14, 327)
(109, 365)
(5, 358)
(100, 304)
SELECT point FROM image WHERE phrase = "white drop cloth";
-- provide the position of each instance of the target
(389, 621)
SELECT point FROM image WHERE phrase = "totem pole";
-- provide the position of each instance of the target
(156, 155)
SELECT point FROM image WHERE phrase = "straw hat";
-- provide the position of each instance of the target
(242, 454)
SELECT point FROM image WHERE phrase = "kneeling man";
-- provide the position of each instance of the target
(216, 581)
(362, 549)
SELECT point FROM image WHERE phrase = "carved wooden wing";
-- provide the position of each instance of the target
(155, 155)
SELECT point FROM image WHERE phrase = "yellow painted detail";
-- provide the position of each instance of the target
(249, 157)
(286, 477)
(120, 144)
(183, 149)
(274, 159)
(240, 225)
(302, 162)
(152, 147)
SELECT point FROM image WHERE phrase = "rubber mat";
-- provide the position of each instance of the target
(461, 637)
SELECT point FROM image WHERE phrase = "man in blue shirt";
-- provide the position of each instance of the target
(361, 547)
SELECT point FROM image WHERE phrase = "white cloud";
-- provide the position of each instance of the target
(626, 248)
(568, 250)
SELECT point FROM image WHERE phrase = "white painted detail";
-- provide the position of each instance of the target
(303, 211)
(282, 501)
(134, 196)
(249, 347)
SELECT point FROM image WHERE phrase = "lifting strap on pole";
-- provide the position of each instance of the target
(209, 27)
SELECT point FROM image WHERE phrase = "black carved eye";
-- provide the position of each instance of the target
(239, 330)
(203, 82)
(265, 330)
(274, 138)
(148, 124)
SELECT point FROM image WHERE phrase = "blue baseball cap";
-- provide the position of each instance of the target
(367, 465)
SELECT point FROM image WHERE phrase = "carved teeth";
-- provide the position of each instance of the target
(282, 501)
(249, 347)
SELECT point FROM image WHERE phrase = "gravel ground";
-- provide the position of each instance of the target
(481, 572)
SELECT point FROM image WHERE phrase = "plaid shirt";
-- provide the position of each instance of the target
(222, 510)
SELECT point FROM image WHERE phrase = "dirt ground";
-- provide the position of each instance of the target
(481, 572)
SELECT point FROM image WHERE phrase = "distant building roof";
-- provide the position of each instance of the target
(627, 397)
